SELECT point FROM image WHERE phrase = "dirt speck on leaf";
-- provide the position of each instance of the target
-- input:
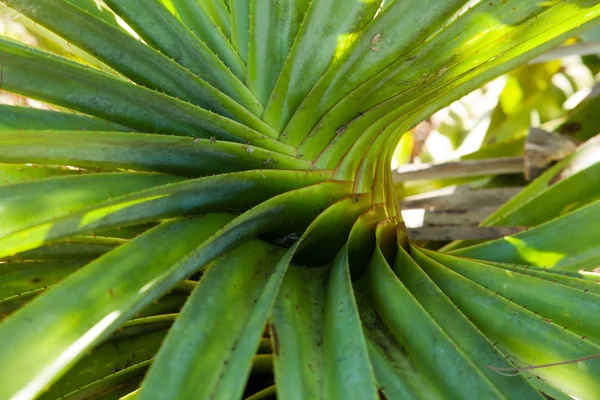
(275, 338)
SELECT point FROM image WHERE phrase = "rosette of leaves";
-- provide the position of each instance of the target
(208, 212)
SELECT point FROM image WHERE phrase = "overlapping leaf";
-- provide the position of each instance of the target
(286, 114)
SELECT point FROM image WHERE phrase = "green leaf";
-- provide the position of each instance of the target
(273, 27)
(21, 277)
(446, 66)
(264, 394)
(122, 52)
(306, 62)
(28, 204)
(97, 10)
(348, 371)
(217, 302)
(393, 41)
(582, 122)
(132, 394)
(49, 41)
(240, 27)
(567, 186)
(11, 174)
(394, 371)
(467, 336)
(419, 333)
(568, 242)
(322, 242)
(46, 77)
(77, 247)
(581, 280)
(161, 30)
(108, 387)
(566, 306)
(520, 332)
(229, 191)
(219, 13)
(262, 363)
(292, 212)
(284, 212)
(141, 152)
(91, 304)
(362, 241)
(296, 331)
(200, 22)
(25, 118)
(11, 304)
(311, 359)
(563, 188)
(111, 364)
(177, 243)
(159, 321)
(168, 304)
(397, 385)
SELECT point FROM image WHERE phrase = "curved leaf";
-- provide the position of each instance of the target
(27, 204)
(568, 242)
(379, 46)
(46, 77)
(307, 62)
(446, 64)
(348, 371)
(11, 174)
(565, 187)
(247, 269)
(122, 52)
(142, 152)
(296, 329)
(310, 356)
(114, 363)
(22, 277)
(467, 336)
(77, 247)
(25, 118)
(200, 22)
(273, 27)
(566, 306)
(520, 332)
(240, 26)
(159, 28)
(219, 13)
(92, 304)
(229, 191)
(418, 332)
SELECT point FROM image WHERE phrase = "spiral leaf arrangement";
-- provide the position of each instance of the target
(208, 211)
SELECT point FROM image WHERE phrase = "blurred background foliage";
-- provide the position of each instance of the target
(540, 94)
(559, 92)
